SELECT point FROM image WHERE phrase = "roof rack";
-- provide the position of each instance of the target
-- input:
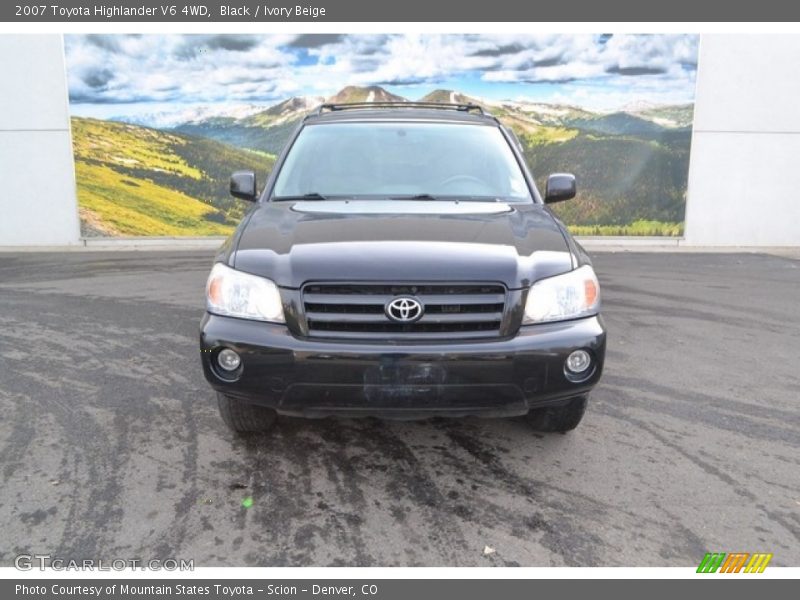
(468, 107)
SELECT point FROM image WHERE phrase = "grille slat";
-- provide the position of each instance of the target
(462, 311)
(382, 318)
(382, 299)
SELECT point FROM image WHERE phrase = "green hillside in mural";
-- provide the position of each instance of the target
(137, 181)
(628, 185)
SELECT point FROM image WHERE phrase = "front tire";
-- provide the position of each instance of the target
(243, 417)
(558, 418)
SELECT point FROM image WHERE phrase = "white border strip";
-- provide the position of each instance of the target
(377, 573)
(591, 243)
(394, 27)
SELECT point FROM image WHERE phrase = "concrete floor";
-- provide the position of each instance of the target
(111, 445)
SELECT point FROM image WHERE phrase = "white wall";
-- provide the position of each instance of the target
(744, 176)
(37, 198)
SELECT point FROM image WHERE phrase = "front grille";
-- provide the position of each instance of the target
(464, 311)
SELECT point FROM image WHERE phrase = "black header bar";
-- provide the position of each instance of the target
(265, 11)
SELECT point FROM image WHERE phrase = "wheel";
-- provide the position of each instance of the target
(558, 418)
(244, 417)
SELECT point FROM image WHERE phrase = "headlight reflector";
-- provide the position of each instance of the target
(568, 296)
(233, 293)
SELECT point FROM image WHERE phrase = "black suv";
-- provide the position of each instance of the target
(400, 262)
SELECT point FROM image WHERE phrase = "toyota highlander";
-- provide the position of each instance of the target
(400, 262)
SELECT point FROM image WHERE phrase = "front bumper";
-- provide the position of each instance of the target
(316, 378)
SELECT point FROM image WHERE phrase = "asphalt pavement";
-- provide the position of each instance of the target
(111, 445)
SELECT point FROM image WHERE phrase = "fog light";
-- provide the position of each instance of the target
(228, 359)
(578, 361)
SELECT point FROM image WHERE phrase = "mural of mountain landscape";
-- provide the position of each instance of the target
(162, 170)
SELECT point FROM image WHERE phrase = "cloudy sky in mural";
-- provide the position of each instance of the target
(595, 71)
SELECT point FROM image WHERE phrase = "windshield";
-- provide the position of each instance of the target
(401, 160)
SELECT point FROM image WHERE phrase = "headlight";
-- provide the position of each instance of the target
(235, 294)
(568, 296)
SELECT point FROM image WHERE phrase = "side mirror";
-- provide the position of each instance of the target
(243, 185)
(560, 187)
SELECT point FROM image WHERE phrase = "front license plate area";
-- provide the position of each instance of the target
(398, 374)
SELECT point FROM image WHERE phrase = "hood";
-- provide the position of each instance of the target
(294, 243)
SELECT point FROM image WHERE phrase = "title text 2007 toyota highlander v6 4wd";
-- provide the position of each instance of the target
(400, 262)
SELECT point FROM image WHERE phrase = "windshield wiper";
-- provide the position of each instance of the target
(416, 197)
(310, 196)
(453, 198)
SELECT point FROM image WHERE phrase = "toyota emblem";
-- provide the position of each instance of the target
(404, 309)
